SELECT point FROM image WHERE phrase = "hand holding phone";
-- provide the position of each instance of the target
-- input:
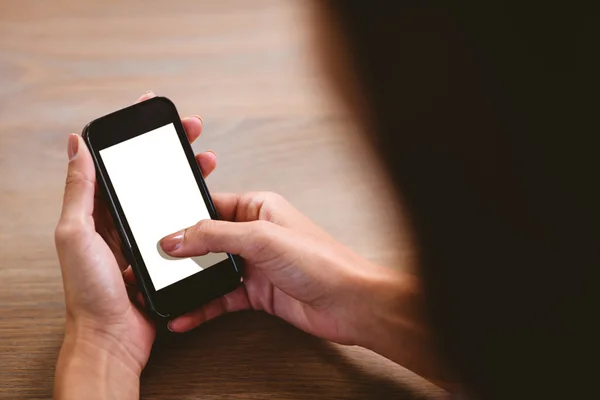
(153, 186)
(295, 271)
(104, 331)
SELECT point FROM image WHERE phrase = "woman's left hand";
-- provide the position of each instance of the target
(107, 338)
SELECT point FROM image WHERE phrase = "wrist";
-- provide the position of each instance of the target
(392, 307)
(395, 325)
(93, 364)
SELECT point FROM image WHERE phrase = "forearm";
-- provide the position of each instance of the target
(88, 369)
(398, 329)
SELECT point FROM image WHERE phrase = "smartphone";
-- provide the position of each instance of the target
(153, 186)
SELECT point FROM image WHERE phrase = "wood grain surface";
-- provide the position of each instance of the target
(249, 68)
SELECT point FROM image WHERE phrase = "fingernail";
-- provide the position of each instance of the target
(73, 146)
(210, 151)
(182, 328)
(148, 91)
(200, 118)
(172, 242)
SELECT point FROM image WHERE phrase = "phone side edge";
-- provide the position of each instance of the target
(125, 243)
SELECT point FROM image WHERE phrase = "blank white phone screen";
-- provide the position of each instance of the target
(159, 195)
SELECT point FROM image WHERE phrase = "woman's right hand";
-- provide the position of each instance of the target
(296, 271)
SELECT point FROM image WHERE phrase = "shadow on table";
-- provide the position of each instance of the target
(254, 355)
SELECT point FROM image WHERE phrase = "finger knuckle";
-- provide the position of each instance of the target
(258, 240)
(202, 228)
(273, 198)
(67, 232)
(262, 198)
(273, 205)
(76, 177)
(261, 205)
(262, 229)
(247, 197)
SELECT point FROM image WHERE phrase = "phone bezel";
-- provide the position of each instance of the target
(195, 290)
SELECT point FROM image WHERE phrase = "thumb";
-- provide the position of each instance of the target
(78, 201)
(256, 241)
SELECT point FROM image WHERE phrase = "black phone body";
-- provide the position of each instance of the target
(153, 186)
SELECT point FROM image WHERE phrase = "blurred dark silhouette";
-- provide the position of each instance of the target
(483, 114)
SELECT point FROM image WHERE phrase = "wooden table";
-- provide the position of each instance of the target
(248, 67)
